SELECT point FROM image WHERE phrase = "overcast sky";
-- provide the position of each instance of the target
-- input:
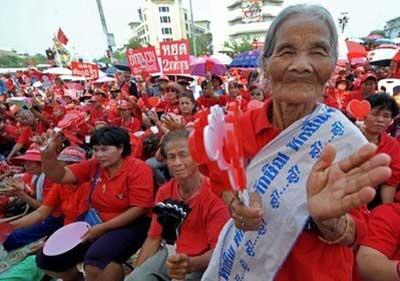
(28, 25)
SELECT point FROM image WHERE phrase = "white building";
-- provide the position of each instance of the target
(392, 28)
(236, 19)
(165, 20)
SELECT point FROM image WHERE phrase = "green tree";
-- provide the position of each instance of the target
(11, 61)
(134, 43)
(203, 44)
(239, 46)
(378, 32)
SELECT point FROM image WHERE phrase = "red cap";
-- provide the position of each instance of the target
(72, 154)
(32, 154)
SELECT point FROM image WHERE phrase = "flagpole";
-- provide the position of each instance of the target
(57, 54)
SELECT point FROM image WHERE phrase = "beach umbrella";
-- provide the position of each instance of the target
(381, 57)
(58, 71)
(349, 50)
(223, 58)
(105, 79)
(207, 65)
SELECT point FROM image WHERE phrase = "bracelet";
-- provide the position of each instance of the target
(342, 237)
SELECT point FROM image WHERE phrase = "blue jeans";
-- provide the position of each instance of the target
(24, 236)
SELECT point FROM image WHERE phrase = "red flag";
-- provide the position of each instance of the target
(61, 37)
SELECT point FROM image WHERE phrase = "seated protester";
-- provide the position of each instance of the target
(217, 85)
(27, 122)
(187, 107)
(170, 98)
(379, 253)
(209, 98)
(70, 199)
(198, 233)
(368, 87)
(234, 95)
(127, 118)
(121, 192)
(257, 93)
(383, 109)
(34, 183)
(97, 110)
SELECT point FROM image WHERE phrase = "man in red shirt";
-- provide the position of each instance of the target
(198, 233)
(379, 254)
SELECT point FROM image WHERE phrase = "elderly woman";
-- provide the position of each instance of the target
(307, 216)
(121, 192)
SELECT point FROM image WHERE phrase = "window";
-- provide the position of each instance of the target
(166, 30)
(167, 39)
(163, 9)
(145, 19)
(187, 27)
(186, 17)
(165, 19)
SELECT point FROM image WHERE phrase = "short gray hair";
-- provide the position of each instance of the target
(315, 11)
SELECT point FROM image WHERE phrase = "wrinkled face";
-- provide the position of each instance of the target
(377, 120)
(301, 62)
(107, 155)
(186, 105)
(179, 161)
(368, 88)
(33, 167)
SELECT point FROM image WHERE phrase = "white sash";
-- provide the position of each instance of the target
(38, 181)
(279, 173)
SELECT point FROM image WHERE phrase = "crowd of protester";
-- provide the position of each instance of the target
(121, 147)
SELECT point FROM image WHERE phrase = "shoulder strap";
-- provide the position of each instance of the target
(93, 184)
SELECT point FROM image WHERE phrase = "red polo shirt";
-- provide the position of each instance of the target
(131, 185)
(199, 231)
(71, 199)
(391, 146)
(384, 230)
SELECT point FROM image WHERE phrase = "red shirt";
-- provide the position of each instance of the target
(26, 136)
(199, 231)
(206, 102)
(384, 230)
(72, 200)
(31, 189)
(131, 185)
(132, 125)
(391, 146)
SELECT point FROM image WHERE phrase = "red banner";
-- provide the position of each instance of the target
(142, 60)
(175, 57)
(88, 70)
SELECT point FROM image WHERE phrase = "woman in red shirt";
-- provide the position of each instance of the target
(70, 199)
(305, 210)
(122, 194)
